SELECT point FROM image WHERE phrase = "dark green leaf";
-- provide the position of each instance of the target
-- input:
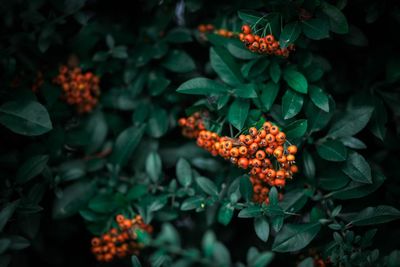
(289, 34)
(332, 150)
(262, 260)
(202, 86)
(269, 92)
(225, 214)
(357, 168)
(317, 118)
(337, 20)
(378, 119)
(136, 192)
(315, 29)
(352, 122)
(296, 129)
(158, 122)
(239, 50)
(295, 80)
(225, 66)
(292, 103)
(125, 144)
(294, 237)
(374, 215)
(178, 61)
(179, 35)
(207, 186)
(153, 166)
(6, 213)
(250, 212)
(246, 90)
(319, 98)
(31, 168)
(238, 112)
(309, 165)
(192, 203)
(184, 172)
(275, 72)
(26, 118)
(261, 226)
(135, 261)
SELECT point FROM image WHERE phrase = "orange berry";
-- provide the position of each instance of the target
(246, 29)
(253, 148)
(280, 182)
(243, 150)
(294, 169)
(274, 130)
(95, 241)
(202, 28)
(280, 174)
(248, 140)
(243, 163)
(260, 155)
(281, 137)
(253, 131)
(270, 138)
(271, 173)
(234, 152)
(249, 39)
(290, 157)
(292, 149)
(269, 38)
(278, 153)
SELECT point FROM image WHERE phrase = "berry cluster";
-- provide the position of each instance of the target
(79, 89)
(263, 151)
(263, 45)
(318, 261)
(121, 242)
(204, 28)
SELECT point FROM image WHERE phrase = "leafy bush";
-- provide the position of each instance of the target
(97, 100)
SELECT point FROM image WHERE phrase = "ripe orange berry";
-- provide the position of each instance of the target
(260, 155)
(270, 138)
(271, 173)
(210, 27)
(280, 174)
(254, 46)
(253, 148)
(290, 157)
(227, 144)
(243, 163)
(249, 39)
(234, 152)
(292, 149)
(243, 150)
(248, 140)
(253, 131)
(274, 130)
(269, 39)
(95, 241)
(294, 169)
(280, 182)
(246, 29)
(278, 153)
(281, 137)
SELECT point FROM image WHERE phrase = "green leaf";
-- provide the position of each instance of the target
(250, 212)
(135, 261)
(246, 90)
(261, 226)
(351, 122)
(73, 198)
(358, 190)
(31, 168)
(296, 80)
(178, 61)
(393, 259)
(308, 165)
(317, 118)
(292, 102)
(332, 150)
(357, 168)
(202, 86)
(315, 29)
(289, 34)
(269, 93)
(337, 20)
(353, 142)
(262, 259)
(208, 242)
(238, 112)
(379, 119)
(293, 200)
(294, 237)
(251, 17)
(158, 122)
(136, 192)
(307, 262)
(4, 244)
(192, 203)
(225, 214)
(25, 117)
(275, 72)
(184, 172)
(246, 188)
(207, 186)
(319, 98)
(103, 203)
(225, 66)
(374, 215)
(179, 35)
(153, 166)
(125, 144)
(238, 50)
(296, 129)
(18, 242)
(7, 212)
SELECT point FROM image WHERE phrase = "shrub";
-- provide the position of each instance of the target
(199, 133)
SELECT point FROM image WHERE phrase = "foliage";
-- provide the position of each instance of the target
(66, 175)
